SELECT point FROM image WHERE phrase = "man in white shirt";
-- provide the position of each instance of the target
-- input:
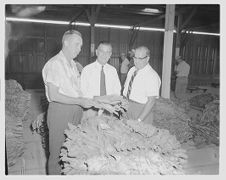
(182, 70)
(141, 87)
(124, 67)
(62, 88)
(91, 77)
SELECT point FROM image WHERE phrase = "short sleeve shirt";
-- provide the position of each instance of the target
(60, 73)
(183, 69)
(90, 80)
(145, 84)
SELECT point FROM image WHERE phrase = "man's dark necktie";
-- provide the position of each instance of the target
(130, 84)
(102, 82)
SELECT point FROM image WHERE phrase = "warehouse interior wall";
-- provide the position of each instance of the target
(202, 53)
(32, 44)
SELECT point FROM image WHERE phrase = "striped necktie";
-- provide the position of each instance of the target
(102, 82)
(130, 84)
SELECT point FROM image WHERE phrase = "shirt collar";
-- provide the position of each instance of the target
(145, 68)
(100, 65)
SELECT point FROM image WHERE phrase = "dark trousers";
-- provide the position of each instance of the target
(123, 78)
(181, 87)
(134, 111)
(58, 117)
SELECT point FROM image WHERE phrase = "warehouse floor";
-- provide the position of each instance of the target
(203, 160)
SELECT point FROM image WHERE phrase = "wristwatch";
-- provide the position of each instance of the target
(139, 120)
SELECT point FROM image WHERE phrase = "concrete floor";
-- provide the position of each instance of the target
(33, 162)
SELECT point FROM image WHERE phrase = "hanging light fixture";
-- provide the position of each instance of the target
(151, 10)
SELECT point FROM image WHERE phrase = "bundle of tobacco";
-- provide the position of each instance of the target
(206, 128)
(168, 115)
(14, 138)
(111, 103)
(40, 126)
(106, 145)
(17, 101)
(201, 100)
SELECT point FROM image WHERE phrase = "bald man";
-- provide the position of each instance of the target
(62, 87)
(141, 87)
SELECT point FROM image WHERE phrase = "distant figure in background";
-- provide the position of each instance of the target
(182, 70)
(124, 67)
(141, 87)
(62, 88)
(130, 57)
(100, 78)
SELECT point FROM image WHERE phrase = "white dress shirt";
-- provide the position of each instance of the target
(60, 73)
(182, 69)
(145, 84)
(90, 80)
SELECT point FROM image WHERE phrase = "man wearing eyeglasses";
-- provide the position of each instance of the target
(141, 87)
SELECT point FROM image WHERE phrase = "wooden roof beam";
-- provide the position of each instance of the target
(92, 14)
(189, 18)
(77, 15)
(151, 20)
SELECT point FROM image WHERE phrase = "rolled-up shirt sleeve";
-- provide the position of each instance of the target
(51, 74)
(153, 86)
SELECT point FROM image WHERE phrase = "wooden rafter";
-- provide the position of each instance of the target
(189, 18)
(92, 14)
(77, 15)
(151, 20)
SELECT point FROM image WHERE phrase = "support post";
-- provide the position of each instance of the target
(167, 50)
(92, 15)
(178, 37)
(92, 39)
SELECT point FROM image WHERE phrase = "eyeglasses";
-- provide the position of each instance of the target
(139, 58)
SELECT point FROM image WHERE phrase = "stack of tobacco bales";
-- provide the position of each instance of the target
(16, 109)
(111, 103)
(106, 145)
(206, 128)
(201, 100)
(168, 115)
(17, 101)
(14, 138)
